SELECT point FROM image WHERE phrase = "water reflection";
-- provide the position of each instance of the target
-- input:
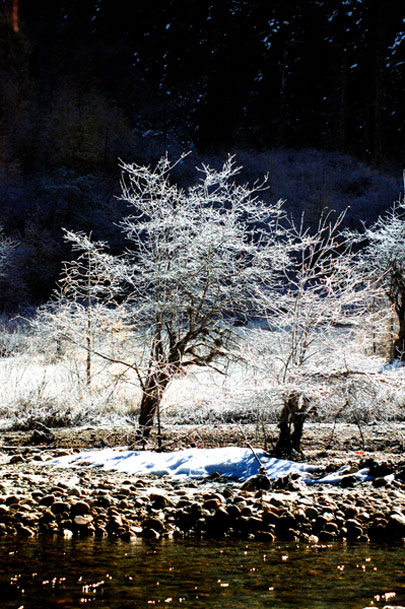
(48, 573)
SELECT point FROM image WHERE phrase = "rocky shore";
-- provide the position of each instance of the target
(37, 498)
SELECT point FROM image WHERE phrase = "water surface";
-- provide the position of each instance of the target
(49, 573)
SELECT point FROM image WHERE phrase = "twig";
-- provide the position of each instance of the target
(251, 447)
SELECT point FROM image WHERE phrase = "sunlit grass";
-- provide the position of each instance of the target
(42, 385)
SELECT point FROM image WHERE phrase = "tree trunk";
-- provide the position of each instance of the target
(291, 425)
(155, 385)
(399, 343)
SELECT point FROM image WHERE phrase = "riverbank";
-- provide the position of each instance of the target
(318, 438)
(36, 498)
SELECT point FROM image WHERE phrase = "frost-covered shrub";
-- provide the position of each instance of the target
(383, 259)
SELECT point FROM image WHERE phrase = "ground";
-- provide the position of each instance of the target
(318, 438)
(37, 498)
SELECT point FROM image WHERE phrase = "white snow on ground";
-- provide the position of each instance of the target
(230, 462)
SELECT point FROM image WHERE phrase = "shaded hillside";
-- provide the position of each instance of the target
(298, 90)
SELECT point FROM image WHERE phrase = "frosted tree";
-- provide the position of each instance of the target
(383, 257)
(7, 247)
(190, 270)
(7, 252)
(321, 306)
(86, 292)
(81, 309)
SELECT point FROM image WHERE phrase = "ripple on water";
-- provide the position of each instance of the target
(45, 573)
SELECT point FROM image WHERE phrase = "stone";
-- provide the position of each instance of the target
(24, 531)
(254, 524)
(100, 532)
(270, 517)
(258, 482)
(352, 523)
(16, 459)
(221, 514)
(11, 500)
(331, 527)
(159, 500)
(211, 504)
(233, 511)
(186, 520)
(79, 508)
(265, 536)
(285, 523)
(103, 500)
(379, 482)
(83, 521)
(348, 481)
(152, 523)
(150, 534)
(351, 512)
(354, 529)
(60, 507)
(291, 482)
(379, 470)
(4, 511)
(396, 525)
(41, 437)
(46, 517)
(311, 512)
(47, 500)
(325, 535)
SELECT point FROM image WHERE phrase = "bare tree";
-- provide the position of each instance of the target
(81, 309)
(85, 286)
(383, 257)
(7, 252)
(321, 306)
(7, 247)
(189, 272)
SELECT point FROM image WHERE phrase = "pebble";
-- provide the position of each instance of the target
(98, 503)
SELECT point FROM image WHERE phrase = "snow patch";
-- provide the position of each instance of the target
(231, 462)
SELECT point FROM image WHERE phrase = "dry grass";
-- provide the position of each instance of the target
(38, 386)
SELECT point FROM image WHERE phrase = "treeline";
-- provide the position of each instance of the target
(86, 77)
(84, 82)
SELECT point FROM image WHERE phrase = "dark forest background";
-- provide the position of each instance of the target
(310, 92)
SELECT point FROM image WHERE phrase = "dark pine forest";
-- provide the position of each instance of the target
(311, 92)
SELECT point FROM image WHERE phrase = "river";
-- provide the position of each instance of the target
(53, 573)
